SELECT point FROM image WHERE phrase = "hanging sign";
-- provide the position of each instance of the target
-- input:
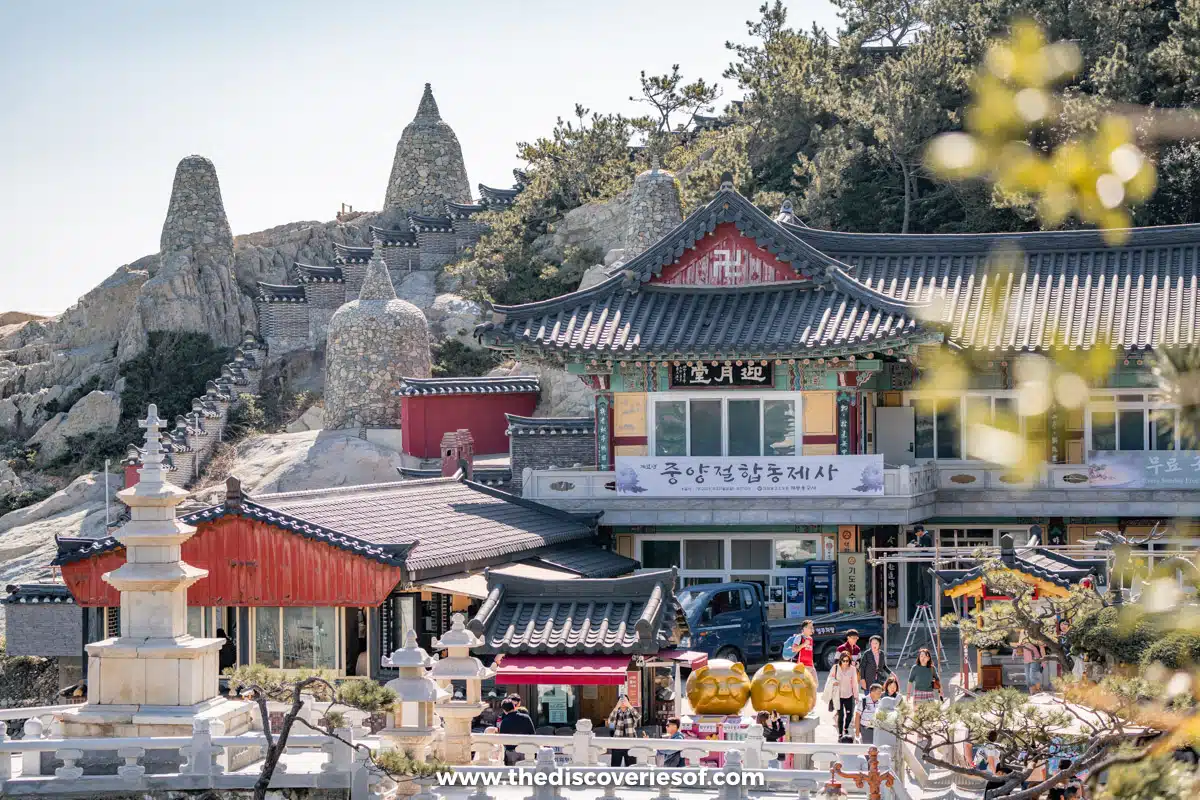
(783, 476)
(892, 585)
(700, 374)
(633, 687)
(852, 587)
(1144, 469)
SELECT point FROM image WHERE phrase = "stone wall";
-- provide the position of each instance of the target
(654, 209)
(43, 629)
(428, 168)
(548, 442)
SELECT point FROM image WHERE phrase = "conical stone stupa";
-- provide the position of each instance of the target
(373, 342)
(428, 168)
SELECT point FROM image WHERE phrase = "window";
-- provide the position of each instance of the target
(112, 621)
(726, 602)
(792, 553)
(660, 555)
(200, 622)
(1134, 422)
(703, 554)
(938, 433)
(731, 425)
(297, 637)
(751, 554)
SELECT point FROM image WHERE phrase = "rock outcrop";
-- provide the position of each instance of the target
(428, 168)
(193, 287)
(454, 317)
(95, 412)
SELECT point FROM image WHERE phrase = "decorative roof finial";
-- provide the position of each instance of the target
(151, 472)
(727, 180)
(654, 160)
(428, 107)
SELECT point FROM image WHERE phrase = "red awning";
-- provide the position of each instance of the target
(689, 658)
(581, 670)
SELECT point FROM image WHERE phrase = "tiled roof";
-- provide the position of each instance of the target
(500, 384)
(1036, 562)
(488, 476)
(635, 614)
(349, 254)
(394, 238)
(588, 561)
(1068, 287)
(424, 525)
(489, 196)
(38, 593)
(463, 210)
(543, 426)
(443, 522)
(308, 273)
(424, 223)
(830, 313)
(277, 293)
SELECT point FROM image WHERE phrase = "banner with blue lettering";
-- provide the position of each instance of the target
(784, 476)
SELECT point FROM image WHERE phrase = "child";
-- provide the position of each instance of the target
(864, 720)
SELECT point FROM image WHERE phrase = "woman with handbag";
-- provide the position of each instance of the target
(924, 684)
(845, 690)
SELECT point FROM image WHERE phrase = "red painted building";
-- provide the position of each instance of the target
(432, 407)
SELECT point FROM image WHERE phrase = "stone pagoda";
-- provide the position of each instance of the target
(155, 679)
(459, 665)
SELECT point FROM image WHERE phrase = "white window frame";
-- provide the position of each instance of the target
(1099, 402)
(339, 638)
(775, 576)
(913, 399)
(655, 398)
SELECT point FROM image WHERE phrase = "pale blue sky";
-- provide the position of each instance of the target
(299, 104)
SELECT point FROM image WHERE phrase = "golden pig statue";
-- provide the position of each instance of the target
(783, 687)
(719, 687)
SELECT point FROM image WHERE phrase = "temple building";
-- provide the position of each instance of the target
(764, 402)
(428, 219)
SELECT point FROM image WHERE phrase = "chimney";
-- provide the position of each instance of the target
(458, 453)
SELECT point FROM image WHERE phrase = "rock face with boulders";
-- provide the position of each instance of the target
(428, 168)
(374, 342)
(95, 412)
(193, 288)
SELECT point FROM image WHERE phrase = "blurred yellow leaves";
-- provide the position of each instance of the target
(1096, 177)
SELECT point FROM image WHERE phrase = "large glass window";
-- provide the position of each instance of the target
(703, 554)
(792, 553)
(705, 438)
(938, 433)
(1134, 422)
(734, 425)
(266, 636)
(745, 430)
(670, 428)
(948, 431)
(296, 637)
(660, 555)
(1104, 430)
(1131, 424)
(751, 553)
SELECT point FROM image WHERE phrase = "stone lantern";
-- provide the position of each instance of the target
(412, 727)
(460, 665)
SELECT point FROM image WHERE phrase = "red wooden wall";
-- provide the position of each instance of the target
(425, 418)
(727, 258)
(251, 563)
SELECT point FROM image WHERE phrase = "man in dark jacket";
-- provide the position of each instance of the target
(513, 721)
(872, 665)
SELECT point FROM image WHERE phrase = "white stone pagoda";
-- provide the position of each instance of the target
(154, 679)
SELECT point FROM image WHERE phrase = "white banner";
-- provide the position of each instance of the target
(784, 476)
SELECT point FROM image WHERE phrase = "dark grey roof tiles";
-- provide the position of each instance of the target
(446, 522)
(588, 561)
(635, 614)
(490, 196)
(277, 293)
(350, 254)
(394, 238)
(542, 426)
(464, 210)
(419, 222)
(308, 273)
(37, 593)
(499, 384)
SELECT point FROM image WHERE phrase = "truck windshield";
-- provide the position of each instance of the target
(689, 600)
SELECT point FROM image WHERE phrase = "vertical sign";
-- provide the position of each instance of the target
(852, 588)
(847, 539)
(843, 424)
(828, 548)
(892, 586)
(633, 687)
(795, 596)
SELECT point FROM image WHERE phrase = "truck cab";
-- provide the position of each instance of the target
(729, 620)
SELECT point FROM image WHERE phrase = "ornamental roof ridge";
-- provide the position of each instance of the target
(492, 384)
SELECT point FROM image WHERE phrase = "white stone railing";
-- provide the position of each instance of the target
(740, 773)
(327, 762)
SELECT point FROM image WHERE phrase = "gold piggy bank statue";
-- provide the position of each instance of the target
(719, 687)
(783, 687)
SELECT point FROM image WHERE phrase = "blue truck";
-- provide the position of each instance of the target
(729, 620)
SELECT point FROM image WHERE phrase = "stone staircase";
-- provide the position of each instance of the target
(190, 444)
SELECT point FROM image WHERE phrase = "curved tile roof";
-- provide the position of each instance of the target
(497, 384)
(309, 273)
(278, 293)
(351, 254)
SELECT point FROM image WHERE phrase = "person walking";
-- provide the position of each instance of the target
(623, 721)
(891, 687)
(845, 683)
(513, 721)
(872, 665)
(864, 720)
(673, 758)
(804, 655)
(1031, 654)
(924, 684)
(851, 646)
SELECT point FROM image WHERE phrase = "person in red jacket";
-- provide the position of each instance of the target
(804, 655)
